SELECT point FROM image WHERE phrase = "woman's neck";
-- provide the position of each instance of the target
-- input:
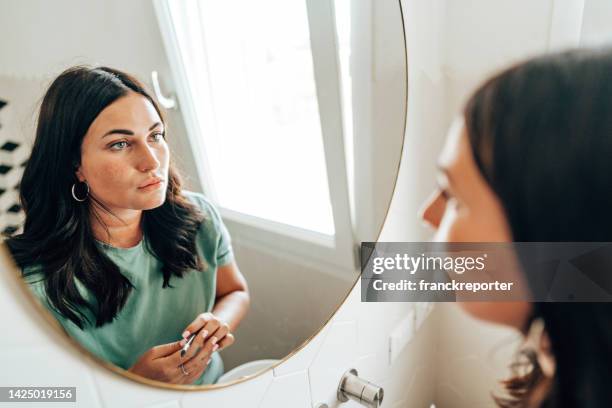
(122, 230)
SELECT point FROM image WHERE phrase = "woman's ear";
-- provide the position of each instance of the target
(79, 174)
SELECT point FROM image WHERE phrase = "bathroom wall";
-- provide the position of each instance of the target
(290, 303)
(596, 29)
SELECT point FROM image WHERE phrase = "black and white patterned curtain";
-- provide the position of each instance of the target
(13, 157)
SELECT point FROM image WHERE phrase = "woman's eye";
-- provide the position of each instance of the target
(119, 145)
(449, 198)
(453, 202)
(157, 136)
(445, 194)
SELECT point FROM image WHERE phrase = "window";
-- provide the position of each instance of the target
(261, 98)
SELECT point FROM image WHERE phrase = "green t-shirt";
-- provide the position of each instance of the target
(152, 315)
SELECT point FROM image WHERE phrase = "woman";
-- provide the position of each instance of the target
(530, 160)
(128, 263)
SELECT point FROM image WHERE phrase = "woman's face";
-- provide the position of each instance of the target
(465, 209)
(123, 151)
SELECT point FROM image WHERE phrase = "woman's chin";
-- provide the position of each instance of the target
(154, 201)
(153, 198)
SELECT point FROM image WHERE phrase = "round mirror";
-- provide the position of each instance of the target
(185, 184)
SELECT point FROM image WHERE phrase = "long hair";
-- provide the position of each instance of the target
(57, 238)
(541, 135)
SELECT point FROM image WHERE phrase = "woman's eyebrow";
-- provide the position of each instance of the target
(127, 131)
(119, 131)
(156, 124)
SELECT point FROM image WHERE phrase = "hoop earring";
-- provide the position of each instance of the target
(86, 195)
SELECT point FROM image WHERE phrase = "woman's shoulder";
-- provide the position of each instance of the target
(210, 212)
(34, 277)
(33, 274)
(213, 232)
(195, 197)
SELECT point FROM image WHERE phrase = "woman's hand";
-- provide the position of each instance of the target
(164, 363)
(210, 327)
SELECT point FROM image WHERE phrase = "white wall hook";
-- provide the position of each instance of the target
(167, 103)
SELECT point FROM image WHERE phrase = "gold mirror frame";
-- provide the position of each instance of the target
(163, 385)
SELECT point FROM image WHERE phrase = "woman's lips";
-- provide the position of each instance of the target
(152, 186)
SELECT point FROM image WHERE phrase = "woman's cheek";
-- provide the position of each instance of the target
(110, 178)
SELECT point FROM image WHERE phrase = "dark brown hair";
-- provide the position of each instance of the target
(57, 239)
(541, 135)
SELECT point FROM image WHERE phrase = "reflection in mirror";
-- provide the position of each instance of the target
(207, 242)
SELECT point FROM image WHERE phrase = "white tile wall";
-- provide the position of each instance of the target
(338, 353)
(276, 395)
(49, 366)
(246, 394)
(115, 391)
(168, 404)
(304, 357)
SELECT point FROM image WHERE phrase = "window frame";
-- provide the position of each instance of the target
(337, 251)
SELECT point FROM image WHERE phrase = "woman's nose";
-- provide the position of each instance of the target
(147, 160)
(432, 209)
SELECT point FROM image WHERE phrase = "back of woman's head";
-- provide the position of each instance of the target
(58, 240)
(541, 135)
